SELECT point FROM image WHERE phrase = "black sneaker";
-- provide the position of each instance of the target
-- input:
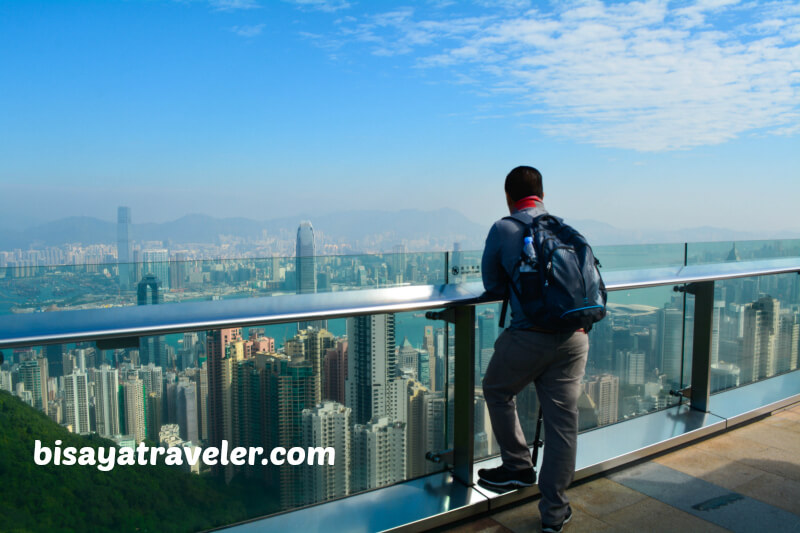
(548, 528)
(502, 477)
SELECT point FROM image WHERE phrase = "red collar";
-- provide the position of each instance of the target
(528, 201)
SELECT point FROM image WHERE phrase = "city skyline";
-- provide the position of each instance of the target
(394, 405)
(675, 111)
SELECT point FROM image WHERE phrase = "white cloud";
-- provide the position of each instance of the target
(321, 5)
(233, 5)
(641, 75)
(248, 31)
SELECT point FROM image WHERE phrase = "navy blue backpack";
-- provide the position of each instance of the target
(560, 288)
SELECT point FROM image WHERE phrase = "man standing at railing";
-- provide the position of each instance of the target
(528, 352)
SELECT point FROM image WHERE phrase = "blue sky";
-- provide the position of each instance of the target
(642, 115)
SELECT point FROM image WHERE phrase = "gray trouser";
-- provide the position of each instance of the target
(556, 364)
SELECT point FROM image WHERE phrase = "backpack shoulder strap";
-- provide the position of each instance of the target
(529, 220)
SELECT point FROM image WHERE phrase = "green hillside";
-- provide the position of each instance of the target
(127, 498)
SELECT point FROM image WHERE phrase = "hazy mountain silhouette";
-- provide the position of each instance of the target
(383, 228)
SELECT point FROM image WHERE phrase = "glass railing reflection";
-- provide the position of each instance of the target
(52, 288)
(373, 388)
(636, 357)
(756, 326)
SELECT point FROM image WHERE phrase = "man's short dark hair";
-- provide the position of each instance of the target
(522, 182)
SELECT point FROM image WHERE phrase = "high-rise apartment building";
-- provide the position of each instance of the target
(220, 378)
(200, 378)
(106, 401)
(634, 368)
(604, 392)
(415, 430)
(761, 319)
(379, 455)
(327, 426)
(34, 373)
(187, 409)
(249, 407)
(371, 364)
(76, 396)
(788, 341)
(134, 408)
(317, 343)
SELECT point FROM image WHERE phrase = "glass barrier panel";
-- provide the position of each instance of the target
(755, 329)
(727, 251)
(25, 289)
(465, 266)
(633, 256)
(636, 356)
(368, 394)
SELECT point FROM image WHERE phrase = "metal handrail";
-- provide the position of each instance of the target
(35, 329)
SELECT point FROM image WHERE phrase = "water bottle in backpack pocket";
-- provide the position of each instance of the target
(529, 273)
(560, 287)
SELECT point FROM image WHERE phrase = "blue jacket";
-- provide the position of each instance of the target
(500, 257)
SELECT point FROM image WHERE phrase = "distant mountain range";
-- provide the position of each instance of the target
(373, 230)
(362, 230)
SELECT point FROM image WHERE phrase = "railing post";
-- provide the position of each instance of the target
(464, 394)
(701, 347)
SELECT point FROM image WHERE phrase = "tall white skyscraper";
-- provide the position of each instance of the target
(397, 399)
(106, 401)
(76, 395)
(327, 426)
(604, 392)
(379, 456)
